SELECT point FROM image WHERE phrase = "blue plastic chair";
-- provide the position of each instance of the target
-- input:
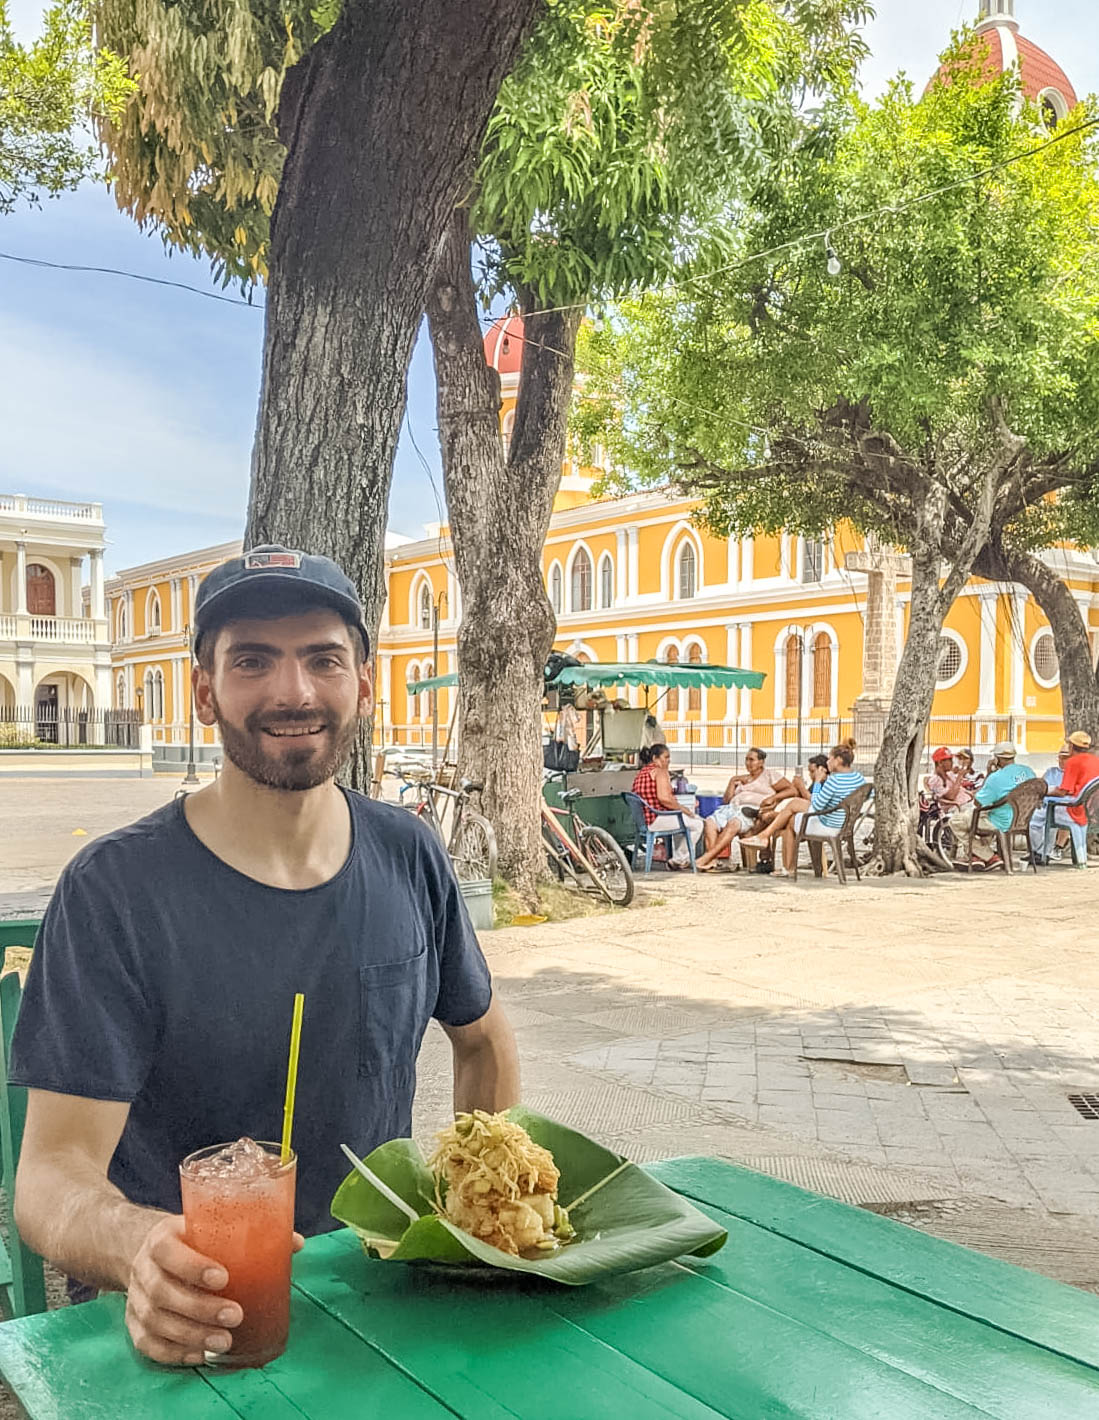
(641, 830)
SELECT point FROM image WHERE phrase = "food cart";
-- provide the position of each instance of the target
(609, 759)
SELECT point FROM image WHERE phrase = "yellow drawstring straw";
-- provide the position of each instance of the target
(291, 1077)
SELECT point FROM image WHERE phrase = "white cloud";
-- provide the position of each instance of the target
(83, 417)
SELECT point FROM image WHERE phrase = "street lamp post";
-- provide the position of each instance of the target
(190, 777)
(436, 607)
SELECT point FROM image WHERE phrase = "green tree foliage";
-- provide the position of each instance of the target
(624, 141)
(46, 90)
(950, 319)
(610, 112)
(195, 150)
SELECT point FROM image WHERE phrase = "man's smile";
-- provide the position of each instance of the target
(293, 731)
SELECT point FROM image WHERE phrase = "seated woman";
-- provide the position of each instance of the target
(653, 786)
(832, 782)
(756, 787)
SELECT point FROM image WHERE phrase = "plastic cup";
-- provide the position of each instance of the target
(246, 1224)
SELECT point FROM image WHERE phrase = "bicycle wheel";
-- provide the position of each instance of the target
(608, 864)
(473, 851)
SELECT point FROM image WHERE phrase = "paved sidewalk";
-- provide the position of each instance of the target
(907, 1046)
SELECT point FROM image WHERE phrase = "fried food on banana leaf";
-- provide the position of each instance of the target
(493, 1181)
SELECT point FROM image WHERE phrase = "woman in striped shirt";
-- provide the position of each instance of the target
(830, 787)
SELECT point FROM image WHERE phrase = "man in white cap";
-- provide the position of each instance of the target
(1003, 776)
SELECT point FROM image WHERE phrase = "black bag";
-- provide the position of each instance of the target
(557, 755)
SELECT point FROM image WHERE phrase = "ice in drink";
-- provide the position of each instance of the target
(238, 1208)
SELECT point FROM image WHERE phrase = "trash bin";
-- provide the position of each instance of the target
(477, 893)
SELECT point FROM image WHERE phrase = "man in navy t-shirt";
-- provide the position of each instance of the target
(156, 1015)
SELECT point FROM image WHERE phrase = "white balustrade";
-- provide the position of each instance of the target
(52, 508)
(62, 628)
(7, 628)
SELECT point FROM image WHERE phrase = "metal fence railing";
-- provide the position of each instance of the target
(68, 727)
(789, 744)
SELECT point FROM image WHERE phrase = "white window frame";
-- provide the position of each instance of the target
(1040, 680)
(947, 635)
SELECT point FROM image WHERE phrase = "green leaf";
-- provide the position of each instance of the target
(624, 1219)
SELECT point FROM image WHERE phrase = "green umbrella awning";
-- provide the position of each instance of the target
(660, 673)
(436, 682)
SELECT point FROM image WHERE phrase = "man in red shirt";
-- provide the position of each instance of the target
(1080, 769)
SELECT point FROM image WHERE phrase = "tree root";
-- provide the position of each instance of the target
(909, 866)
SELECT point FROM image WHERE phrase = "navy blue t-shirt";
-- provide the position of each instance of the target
(164, 978)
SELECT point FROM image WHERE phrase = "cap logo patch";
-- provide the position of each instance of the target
(256, 561)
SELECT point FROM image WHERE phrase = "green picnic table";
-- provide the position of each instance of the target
(813, 1309)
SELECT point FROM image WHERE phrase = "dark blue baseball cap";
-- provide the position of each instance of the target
(239, 587)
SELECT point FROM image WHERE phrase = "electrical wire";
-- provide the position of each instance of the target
(130, 276)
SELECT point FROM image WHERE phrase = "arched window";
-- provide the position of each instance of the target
(556, 583)
(822, 670)
(687, 572)
(427, 701)
(158, 694)
(694, 694)
(120, 692)
(41, 593)
(581, 586)
(606, 581)
(793, 671)
(149, 696)
(413, 696)
(671, 699)
(426, 607)
(122, 622)
(152, 614)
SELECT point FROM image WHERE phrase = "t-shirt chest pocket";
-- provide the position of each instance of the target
(393, 1014)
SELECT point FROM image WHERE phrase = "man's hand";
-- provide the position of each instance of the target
(173, 1312)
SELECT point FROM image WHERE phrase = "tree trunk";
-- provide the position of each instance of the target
(499, 509)
(1079, 690)
(382, 121)
(895, 813)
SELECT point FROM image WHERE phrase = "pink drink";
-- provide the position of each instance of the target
(238, 1207)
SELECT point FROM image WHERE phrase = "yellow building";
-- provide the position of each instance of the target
(634, 579)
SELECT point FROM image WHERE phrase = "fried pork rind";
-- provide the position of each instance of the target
(494, 1181)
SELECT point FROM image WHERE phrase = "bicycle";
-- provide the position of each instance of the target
(590, 858)
(471, 842)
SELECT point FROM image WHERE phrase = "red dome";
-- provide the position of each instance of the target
(504, 344)
(998, 47)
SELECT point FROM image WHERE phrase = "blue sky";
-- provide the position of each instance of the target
(144, 398)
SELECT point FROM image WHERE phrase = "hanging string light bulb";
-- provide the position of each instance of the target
(834, 265)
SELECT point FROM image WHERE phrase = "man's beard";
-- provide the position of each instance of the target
(305, 768)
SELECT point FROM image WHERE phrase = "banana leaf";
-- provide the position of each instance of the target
(624, 1219)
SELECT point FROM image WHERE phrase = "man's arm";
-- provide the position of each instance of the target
(68, 1211)
(486, 1062)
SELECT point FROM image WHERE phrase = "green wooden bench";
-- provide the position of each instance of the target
(814, 1310)
(21, 1275)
